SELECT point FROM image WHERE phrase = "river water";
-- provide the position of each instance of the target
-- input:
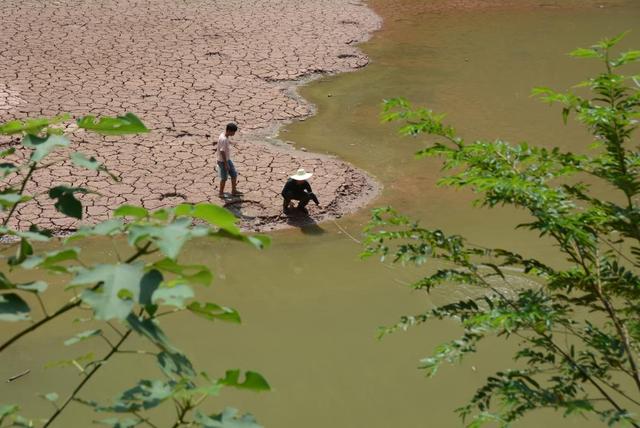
(310, 307)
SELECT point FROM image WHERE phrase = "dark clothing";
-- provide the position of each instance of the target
(296, 188)
(299, 192)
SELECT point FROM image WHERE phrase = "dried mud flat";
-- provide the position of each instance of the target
(186, 68)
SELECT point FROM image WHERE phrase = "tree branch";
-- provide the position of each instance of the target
(182, 412)
(558, 349)
(73, 303)
(32, 168)
(86, 379)
(619, 325)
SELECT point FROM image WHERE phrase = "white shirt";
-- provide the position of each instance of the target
(223, 146)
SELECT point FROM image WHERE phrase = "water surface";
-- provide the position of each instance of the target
(310, 306)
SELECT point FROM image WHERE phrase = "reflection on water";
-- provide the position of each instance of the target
(310, 307)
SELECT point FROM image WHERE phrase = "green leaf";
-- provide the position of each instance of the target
(169, 238)
(194, 274)
(110, 227)
(51, 260)
(121, 125)
(22, 422)
(586, 53)
(120, 423)
(7, 152)
(115, 279)
(9, 199)
(149, 284)
(81, 337)
(36, 287)
(252, 381)
(162, 214)
(175, 363)
(33, 235)
(147, 394)
(5, 283)
(212, 388)
(13, 308)
(8, 410)
(42, 147)
(74, 362)
(81, 160)
(229, 418)
(30, 126)
(7, 168)
(608, 43)
(259, 241)
(212, 312)
(52, 396)
(626, 58)
(130, 211)
(67, 203)
(150, 329)
(212, 214)
(24, 250)
(172, 296)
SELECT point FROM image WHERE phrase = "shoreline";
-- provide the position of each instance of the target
(368, 186)
(174, 163)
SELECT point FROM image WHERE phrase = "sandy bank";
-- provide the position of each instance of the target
(186, 68)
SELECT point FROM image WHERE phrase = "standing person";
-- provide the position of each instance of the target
(225, 165)
(298, 188)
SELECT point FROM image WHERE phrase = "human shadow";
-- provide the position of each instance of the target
(304, 222)
(244, 209)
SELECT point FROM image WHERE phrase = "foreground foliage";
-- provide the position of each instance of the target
(578, 329)
(126, 297)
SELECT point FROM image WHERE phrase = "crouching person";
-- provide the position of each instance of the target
(298, 189)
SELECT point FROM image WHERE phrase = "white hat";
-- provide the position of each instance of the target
(301, 174)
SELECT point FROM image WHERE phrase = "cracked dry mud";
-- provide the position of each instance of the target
(186, 68)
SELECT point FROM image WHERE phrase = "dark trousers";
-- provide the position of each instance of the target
(302, 197)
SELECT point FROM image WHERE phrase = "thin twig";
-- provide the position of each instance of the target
(145, 420)
(137, 351)
(346, 233)
(32, 168)
(114, 328)
(558, 349)
(619, 325)
(620, 253)
(18, 376)
(86, 379)
(73, 303)
(107, 340)
(115, 249)
(181, 414)
(161, 314)
(44, 309)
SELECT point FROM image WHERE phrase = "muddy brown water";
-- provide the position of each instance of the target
(310, 307)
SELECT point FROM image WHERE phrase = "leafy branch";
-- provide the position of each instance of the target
(135, 292)
(599, 237)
